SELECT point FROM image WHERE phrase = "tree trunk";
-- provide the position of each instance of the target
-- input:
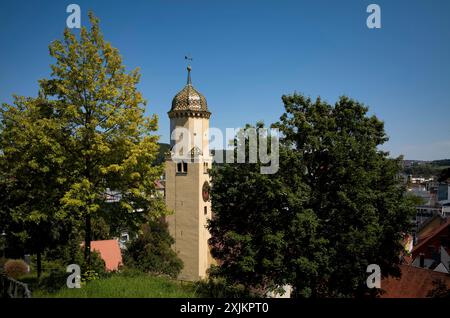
(87, 241)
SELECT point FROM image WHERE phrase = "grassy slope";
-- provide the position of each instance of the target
(127, 287)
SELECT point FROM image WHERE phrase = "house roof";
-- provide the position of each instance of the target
(159, 184)
(109, 251)
(427, 238)
(415, 282)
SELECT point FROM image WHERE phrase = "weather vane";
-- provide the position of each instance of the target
(189, 59)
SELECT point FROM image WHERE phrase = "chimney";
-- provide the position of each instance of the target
(422, 260)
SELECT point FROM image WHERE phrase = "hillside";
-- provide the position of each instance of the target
(425, 169)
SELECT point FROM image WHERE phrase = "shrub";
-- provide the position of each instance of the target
(219, 288)
(53, 281)
(152, 253)
(440, 290)
(3, 261)
(31, 280)
(15, 268)
(59, 258)
(89, 275)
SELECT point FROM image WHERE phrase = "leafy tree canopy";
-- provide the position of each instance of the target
(334, 207)
(82, 147)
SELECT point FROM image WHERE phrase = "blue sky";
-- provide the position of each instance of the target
(248, 53)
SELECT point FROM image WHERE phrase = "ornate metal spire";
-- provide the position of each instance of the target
(189, 59)
(189, 82)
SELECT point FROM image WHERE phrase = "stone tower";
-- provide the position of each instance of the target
(187, 181)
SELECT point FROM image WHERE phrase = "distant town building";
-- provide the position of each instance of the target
(433, 248)
(420, 180)
(444, 192)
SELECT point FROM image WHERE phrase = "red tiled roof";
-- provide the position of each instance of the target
(407, 260)
(109, 251)
(415, 282)
(427, 238)
(159, 184)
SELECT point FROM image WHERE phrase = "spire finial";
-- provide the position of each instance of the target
(189, 59)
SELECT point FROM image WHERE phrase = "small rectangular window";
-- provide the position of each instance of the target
(182, 167)
(206, 210)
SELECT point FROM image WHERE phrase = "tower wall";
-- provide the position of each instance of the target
(187, 224)
(184, 196)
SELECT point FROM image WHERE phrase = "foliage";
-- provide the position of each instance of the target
(424, 170)
(163, 150)
(3, 261)
(151, 252)
(83, 140)
(88, 276)
(53, 280)
(54, 264)
(62, 256)
(30, 159)
(334, 207)
(443, 162)
(444, 175)
(107, 135)
(415, 199)
(15, 268)
(440, 290)
(219, 287)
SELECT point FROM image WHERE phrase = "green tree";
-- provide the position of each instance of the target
(30, 178)
(444, 175)
(101, 146)
(107, 137)
(334, 207)
(253, 216)
(151, 251)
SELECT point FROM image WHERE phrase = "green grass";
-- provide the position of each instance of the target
(117, 286)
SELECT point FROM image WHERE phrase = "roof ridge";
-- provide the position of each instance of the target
(432, 234)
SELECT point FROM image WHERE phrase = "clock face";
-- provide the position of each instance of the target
(205, 191)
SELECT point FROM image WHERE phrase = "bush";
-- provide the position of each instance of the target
(219, 288)
(3, 261)
(440, 290)
(31, 280)
(53, 281)
(49, 282)
(61, 257)
(88, 276)
(152, 253)
(15, 268)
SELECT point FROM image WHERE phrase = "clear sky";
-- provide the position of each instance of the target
(247, 53)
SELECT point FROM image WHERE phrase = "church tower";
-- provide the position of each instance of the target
(187, 181)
